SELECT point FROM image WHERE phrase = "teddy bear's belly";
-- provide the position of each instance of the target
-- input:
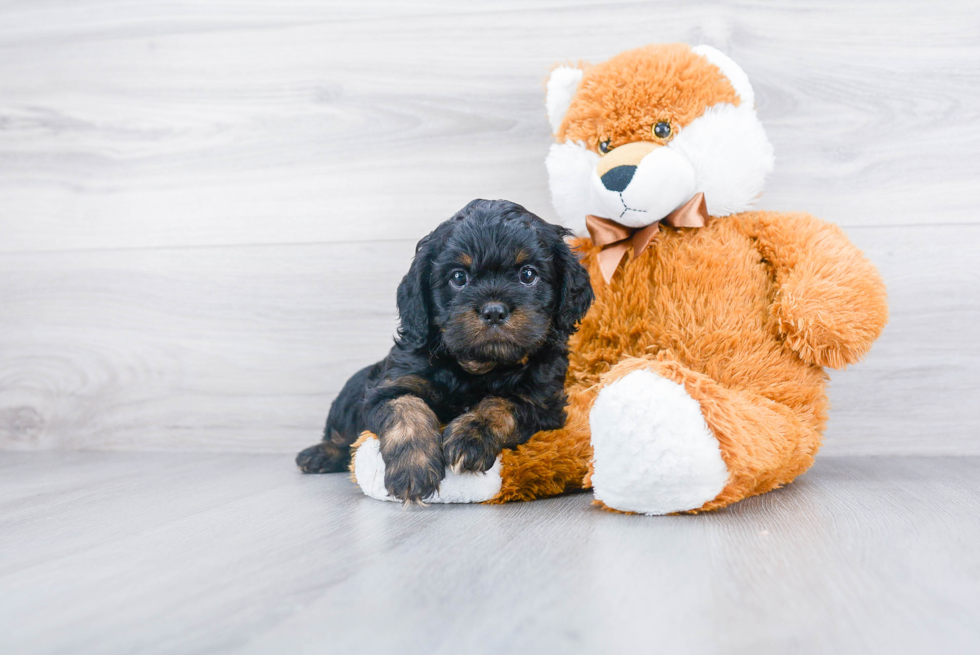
(702, 298)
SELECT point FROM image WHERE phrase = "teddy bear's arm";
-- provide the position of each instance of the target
(830, 303)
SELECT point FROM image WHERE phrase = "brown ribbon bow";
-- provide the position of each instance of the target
(614, 239)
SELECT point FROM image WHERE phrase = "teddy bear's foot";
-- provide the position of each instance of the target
(369, 472)
(653, 451)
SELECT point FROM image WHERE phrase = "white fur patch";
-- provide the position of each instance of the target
(369, 469)
(664, 180)
(570, 167)
(739, 80)
(653, 452)
(731, 157)
(562, 85)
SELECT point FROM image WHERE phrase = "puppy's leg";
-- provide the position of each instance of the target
(328, 456)
(411, 447)
(344, 423)
(473, 440)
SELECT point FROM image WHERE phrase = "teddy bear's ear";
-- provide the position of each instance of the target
(731, 70)
(562, 85)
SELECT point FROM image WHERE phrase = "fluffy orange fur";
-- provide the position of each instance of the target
(744, 313)
(622, 99)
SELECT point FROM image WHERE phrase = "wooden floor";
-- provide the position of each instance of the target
(207, 553)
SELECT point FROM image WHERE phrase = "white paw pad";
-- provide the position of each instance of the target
(369, 470)
(653, 452)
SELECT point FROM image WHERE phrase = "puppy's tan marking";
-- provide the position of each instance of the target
(498, 415)
(473, 440)
(464, 260)
(520, 327)
(418, 458)
(517, 321)
(414, 383)
(411, 421)
(476, 368)
(470, 322)
(521, 256)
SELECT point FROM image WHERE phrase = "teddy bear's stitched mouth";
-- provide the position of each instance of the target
(627, 208)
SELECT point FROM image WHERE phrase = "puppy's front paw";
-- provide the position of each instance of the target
(473, 441)
(414, 476)
(412, 450)
(468, 445)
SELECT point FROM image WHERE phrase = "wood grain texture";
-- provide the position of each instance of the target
(191, 194)
(243, 348)
(152, 124)
(178, 553)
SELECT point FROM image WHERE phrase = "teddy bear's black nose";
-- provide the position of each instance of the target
(618, 178)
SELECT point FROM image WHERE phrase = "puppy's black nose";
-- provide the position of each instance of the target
(494, 313)
(618, 178)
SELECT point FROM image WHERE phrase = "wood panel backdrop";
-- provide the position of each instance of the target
(205, 207)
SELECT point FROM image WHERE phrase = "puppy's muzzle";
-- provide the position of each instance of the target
(494, 313)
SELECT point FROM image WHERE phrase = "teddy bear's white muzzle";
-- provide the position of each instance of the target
(639, 195)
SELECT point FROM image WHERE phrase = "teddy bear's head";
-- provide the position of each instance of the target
(641, 134)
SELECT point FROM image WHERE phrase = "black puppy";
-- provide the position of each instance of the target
(486, 310)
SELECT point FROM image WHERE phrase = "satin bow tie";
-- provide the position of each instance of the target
(615, 239)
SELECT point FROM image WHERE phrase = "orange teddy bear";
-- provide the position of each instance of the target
(697, 378)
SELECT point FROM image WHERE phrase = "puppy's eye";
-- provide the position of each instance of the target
(458, 279)
(528, 275)
(661, 130)
(604, 146)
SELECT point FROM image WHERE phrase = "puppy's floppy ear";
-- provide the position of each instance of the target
(413, 292)
(575, 296)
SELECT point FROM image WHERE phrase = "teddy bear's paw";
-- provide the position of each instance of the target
(369, 472)
(653, 451)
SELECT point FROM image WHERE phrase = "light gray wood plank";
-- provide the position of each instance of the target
(243, 348)
(215, 348)
(916, 393)
(160, 124)
(242, 554)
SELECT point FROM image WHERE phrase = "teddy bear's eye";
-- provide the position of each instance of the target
(604, 146)
(661, 130)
